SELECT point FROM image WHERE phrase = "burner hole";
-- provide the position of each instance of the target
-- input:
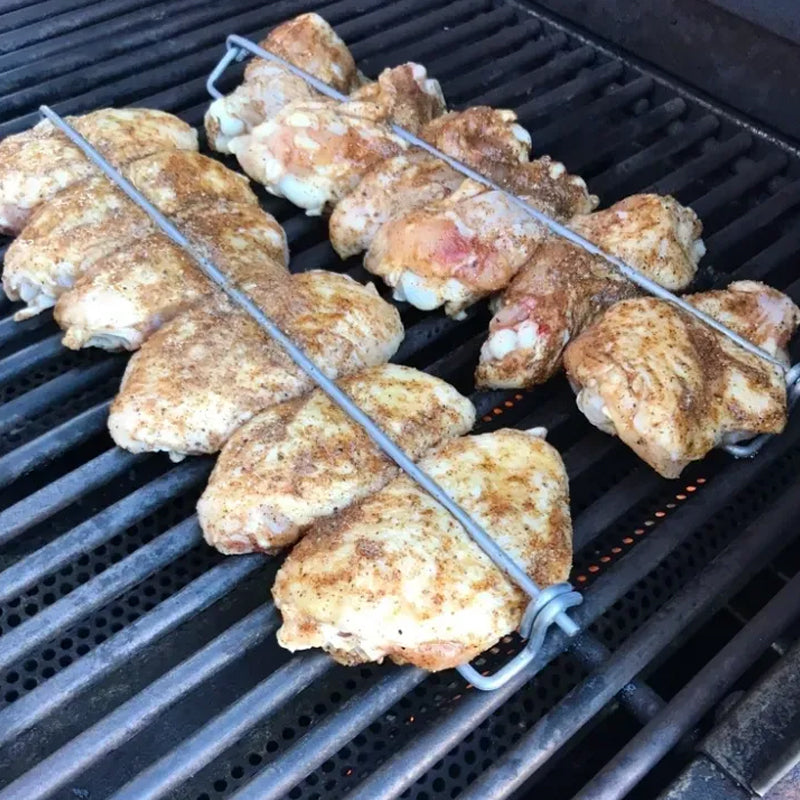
(220, 786)
(11, 696)
(29, 683)
(30, 665)
(254, 759)
(12, 677)
(14, 620)
(272, 746)
(237, 772)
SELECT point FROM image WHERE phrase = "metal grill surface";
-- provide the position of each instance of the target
(128, 648)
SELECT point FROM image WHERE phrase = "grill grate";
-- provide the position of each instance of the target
(73, 652)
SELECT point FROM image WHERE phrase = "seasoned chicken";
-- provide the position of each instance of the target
(405, 95)
(671, 387)
(307, 42)
(132, 292)
(300, 461)
(313, 153)
(89, 220)
(209, 370)
(562, 289)
(472, 243)
(39, 163)
(395, 575)
(480, 137)
(392, 187)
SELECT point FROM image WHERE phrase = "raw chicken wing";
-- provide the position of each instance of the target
(395, 575)
(671, 387)
(314, 153)
(303, 460)
(39, 163)
(209, 370)
(91, 219)
(307, 42)
(562, 289)
(472, 243)
(132, 292)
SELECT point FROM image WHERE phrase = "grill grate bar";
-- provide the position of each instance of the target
(68, 384)
(55, 442)
(688, 706)
(136, 714)
(10, 329)
(30, 358)
(761, 265)
(408, 764)
(211, 740)
(97, 592)
(100, 528)
(59, 494)
(714, 585)
(116, 651)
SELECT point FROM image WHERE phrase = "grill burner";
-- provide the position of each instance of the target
(107, 589)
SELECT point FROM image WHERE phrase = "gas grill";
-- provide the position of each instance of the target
(138, 663)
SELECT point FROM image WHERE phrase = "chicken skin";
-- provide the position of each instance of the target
(86, 222)
(671, 387)
(37, 164)
(562, 289)
(132, 292)
(395, 575)
(308, 42)
(392, 187)
(455, 251)
(300, 461)
(212, 368)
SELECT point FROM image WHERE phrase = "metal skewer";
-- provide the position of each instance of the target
(545, 607)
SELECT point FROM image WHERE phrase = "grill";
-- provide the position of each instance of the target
(132, 655)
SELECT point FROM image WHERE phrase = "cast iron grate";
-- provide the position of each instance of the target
(621, 128)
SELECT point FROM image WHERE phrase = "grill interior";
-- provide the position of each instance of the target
(111, 605)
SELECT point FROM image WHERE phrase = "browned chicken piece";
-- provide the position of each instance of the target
(671, 387)
(300, 461)
(392, 187)
(314, 153)
(39, 163)
(209, 370)
(396, 576)
(91, 219)
(308, 42)
(480, 137)
(455, 251)
(562, 289)
(132, 292)
(406, 96)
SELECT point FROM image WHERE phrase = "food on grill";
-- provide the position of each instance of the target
(454, 251)
(308, 42)
(69, 233)
(395, 575)
(209, 370)
(405, 96)
(394, 186)
(563, 288)
(132, 292)
(671, 387)
(303, 460)
(316, 152)
(38, 163)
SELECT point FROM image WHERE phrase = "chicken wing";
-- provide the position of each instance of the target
(307, 42)
(132, 292)
(472, 243)
(395, 575)
(39, 163)
(392, 187)
(91, 219)
(209, 370)
(673, 388)
(562, 289)
(298, 462)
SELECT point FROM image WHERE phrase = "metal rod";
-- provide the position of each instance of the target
(760, 541)
(502, 559)
(632, 274)
(704, 690)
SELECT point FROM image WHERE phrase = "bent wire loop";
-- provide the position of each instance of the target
(548, 606)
